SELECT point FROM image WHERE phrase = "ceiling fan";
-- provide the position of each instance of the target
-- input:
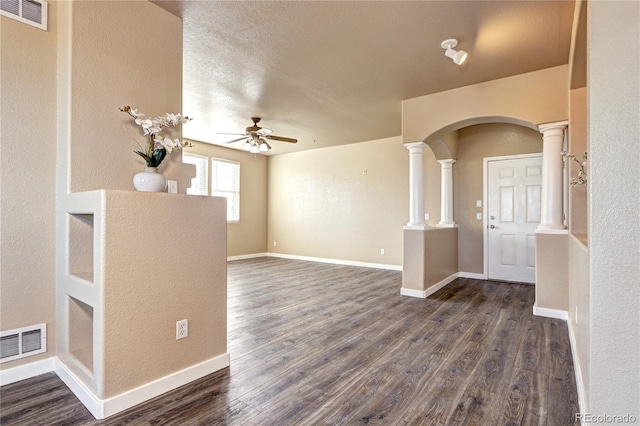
(256, 138)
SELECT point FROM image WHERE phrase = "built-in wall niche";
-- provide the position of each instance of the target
(81, 246)
(80, 317)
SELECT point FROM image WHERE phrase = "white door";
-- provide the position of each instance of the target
(513, 209)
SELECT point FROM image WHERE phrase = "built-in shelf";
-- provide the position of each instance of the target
(81, 333)
(80, 258)
(115, 309)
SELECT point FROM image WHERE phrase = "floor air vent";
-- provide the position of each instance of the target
(32, 12)
(22, 342)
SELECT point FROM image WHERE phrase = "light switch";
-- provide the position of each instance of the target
(478, 203)
(479, 216)
(172, 186)
(426, 216)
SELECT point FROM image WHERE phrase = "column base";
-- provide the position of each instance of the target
(416, 226)
(551, 229)
(446, 225)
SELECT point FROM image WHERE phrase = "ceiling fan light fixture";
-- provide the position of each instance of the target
(458, 56)
(246, 146)
(264, 146)
(254, 149)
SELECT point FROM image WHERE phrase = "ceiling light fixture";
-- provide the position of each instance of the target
(256, 144)
(458, 56)
(264, 146)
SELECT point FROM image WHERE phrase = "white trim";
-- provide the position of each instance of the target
(557, 231)
(425, 226)
(413, 293)
(423, 294)
(485, 203)
(26, 371)
(550, 313)
(338, 261)
(103, 408)
(582, 403)
(246, 256)
(472, 275)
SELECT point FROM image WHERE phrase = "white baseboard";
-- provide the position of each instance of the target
(338, 261)
(413, 293)
(246, 256)
(582, 403)
(26, 371)
(472, 275)
(550, 313)
(103, 408)
(423, 294)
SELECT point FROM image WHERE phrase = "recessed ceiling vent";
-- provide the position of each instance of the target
(32, 12)
(22, 342)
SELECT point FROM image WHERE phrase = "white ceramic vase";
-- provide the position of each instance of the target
(150, 181)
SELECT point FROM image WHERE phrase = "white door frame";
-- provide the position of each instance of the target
(485, 199)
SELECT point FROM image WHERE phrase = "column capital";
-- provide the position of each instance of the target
(557, 125)
(413, 146)
(447, 161)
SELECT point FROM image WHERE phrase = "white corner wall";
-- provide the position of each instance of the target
(614, 201)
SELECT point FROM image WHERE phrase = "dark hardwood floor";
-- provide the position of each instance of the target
(320, 344)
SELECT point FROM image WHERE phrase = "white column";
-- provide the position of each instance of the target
(446, 194)
(552, 176)
(416, 184)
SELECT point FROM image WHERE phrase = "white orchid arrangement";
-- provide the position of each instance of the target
(157, 146)
(581, 178)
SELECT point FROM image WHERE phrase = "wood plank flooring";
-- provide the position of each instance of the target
(320, 344)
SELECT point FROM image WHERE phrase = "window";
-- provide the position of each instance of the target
(198, 183)
(225, 182)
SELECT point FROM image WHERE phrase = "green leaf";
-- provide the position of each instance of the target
(158, 155)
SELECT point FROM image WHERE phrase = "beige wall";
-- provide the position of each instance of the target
(474, 144)
(27, 178)
(248, 236)
(579, 306)
(430, 257)
(435, 115)
(123, 53)
(552, 279)
(143, 299)
(345, 202)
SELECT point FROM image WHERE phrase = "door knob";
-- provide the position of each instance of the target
(492, 226)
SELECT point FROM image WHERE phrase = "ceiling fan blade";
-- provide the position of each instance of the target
(232, 134)
(281, 138)
(264, 131)
(235, 140)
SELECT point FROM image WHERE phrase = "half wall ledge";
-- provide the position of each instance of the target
(132, 265)
(430, 260)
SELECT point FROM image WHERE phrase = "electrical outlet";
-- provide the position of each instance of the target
(172, 186)
(479, 216)
(426, 216)
(381, 251)
(275, 244)
(182, 329)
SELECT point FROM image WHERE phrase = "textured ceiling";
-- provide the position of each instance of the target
(331, 73)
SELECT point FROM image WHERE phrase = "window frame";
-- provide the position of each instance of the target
(206, 170)
(215, 192)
